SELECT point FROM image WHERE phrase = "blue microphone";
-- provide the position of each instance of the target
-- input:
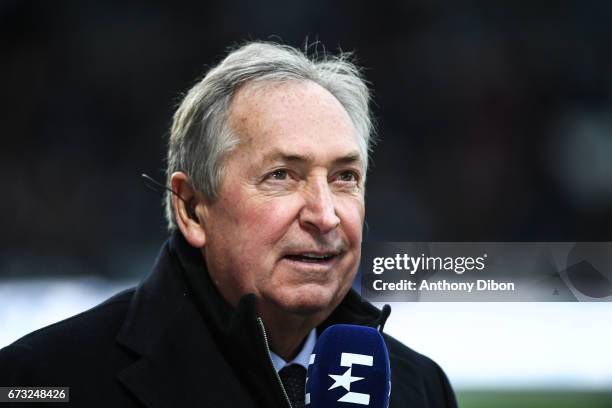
(349, 368)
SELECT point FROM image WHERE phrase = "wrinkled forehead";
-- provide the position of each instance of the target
(292, 118)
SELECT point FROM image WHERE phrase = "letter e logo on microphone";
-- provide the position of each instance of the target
(345, 380)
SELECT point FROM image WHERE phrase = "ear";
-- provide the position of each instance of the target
(186, 209)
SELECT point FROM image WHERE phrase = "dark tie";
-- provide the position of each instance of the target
(294, 379)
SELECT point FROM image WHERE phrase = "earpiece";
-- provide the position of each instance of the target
(154, 185)
(191, 212)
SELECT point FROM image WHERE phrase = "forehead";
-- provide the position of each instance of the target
(298, 117)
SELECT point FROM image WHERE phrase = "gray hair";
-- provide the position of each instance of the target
(200, 136)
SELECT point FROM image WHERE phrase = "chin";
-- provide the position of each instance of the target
(309, 300)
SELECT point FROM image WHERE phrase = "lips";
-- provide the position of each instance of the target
(312, 257)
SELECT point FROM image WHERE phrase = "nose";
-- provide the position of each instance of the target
(319, 211)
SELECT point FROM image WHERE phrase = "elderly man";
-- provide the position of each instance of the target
(266, 175)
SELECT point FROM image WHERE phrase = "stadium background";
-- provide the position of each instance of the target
(495, 124)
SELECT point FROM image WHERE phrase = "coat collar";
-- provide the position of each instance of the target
(186, 337)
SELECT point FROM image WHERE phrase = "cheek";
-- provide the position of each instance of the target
(352, 212)
(263, 223)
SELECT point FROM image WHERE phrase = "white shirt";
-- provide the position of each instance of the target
(302, 358)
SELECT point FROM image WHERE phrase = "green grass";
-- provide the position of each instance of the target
(534, 399)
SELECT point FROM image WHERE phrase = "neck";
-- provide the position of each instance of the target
(286, 334)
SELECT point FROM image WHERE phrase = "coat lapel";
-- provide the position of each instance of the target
(178, 363)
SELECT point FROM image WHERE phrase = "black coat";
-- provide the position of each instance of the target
(174, 342)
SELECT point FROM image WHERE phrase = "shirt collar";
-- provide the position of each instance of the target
(302, 358)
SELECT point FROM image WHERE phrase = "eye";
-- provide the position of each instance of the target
(279, 180)
(348, 176)
(279, 174)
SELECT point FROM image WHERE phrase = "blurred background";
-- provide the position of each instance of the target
(495, 124)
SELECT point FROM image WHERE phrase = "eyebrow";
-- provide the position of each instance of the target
(350, 158)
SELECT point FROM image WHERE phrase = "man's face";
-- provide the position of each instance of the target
(287, 224)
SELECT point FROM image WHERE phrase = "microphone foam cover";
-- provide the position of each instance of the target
(349, 368)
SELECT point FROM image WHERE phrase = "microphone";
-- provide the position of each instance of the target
(349, 368)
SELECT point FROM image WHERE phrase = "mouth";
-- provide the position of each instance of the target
(320, 258)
